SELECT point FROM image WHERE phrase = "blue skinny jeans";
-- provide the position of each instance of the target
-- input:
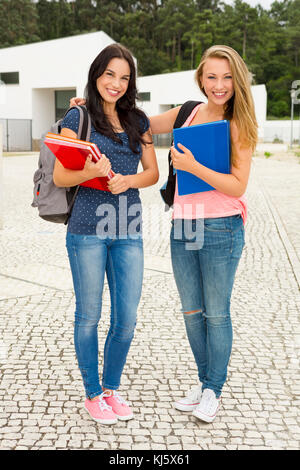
(204, 276)
(122, 260)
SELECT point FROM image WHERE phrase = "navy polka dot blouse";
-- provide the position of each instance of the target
(102, 213)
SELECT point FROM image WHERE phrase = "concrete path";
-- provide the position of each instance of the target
(41, 390)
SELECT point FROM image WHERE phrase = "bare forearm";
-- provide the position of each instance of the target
(163, 123)
(144, 179)
(227, 184)
(67, 178)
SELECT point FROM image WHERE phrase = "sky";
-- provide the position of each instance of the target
(264, 3)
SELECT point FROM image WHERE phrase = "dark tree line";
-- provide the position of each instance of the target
(171, 35)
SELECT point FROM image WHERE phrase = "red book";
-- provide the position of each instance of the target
(72, 153)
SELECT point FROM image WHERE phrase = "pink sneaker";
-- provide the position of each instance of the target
(100, 411)
(119, 406)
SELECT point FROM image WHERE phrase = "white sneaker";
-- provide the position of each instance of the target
(208, 407)
(191, 401)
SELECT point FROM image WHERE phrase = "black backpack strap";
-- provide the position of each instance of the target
(184, 113)
(168, 190)
(182, 116)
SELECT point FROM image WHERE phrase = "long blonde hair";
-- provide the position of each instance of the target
(240, 108)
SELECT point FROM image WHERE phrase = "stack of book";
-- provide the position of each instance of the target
(72, 153)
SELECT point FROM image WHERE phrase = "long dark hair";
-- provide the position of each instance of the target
(131, 118)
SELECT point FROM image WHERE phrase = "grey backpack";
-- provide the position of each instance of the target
(55, 204)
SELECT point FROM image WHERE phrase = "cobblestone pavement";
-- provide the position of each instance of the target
(40, 386)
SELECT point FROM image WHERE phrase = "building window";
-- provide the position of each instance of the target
(62, 102)
(9, 78)
(145, 96)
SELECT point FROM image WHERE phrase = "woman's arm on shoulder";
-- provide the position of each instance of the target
(66, 132)
(163, 123)
(160, 124)
(76, 101)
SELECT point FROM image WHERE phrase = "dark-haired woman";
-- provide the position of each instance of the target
(105, 228)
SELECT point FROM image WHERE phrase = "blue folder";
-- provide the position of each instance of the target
(210, 145)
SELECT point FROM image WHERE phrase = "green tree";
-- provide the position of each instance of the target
(139, 37)
(56, 19)
(238, 27)
(84, 14)
(281, 67)
(175, 18)
(18, 22)
(293, 31)
(200, 36)
(109, 17)
(212, 5)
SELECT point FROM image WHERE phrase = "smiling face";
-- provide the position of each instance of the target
(216, 80)
(113, 83)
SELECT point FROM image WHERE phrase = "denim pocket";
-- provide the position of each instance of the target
(217, 225)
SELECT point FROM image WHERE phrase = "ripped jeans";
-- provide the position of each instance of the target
(204, 277)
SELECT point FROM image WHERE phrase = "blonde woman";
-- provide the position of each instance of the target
(204, 276)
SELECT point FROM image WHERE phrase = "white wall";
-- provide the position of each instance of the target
(281, 130)
(259, 94)
(42, 99)
(45, 66)
(168, 89)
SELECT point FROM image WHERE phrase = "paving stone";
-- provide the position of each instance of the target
(40, 385)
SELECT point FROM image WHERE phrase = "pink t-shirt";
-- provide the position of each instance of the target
(208, 204)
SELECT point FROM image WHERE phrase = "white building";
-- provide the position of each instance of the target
(41, 77)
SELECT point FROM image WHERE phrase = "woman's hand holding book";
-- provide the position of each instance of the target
(99, 169)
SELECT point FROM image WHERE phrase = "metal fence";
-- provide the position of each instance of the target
(162, 140)
(16, 135)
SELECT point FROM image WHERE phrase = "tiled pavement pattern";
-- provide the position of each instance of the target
(41, 391)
